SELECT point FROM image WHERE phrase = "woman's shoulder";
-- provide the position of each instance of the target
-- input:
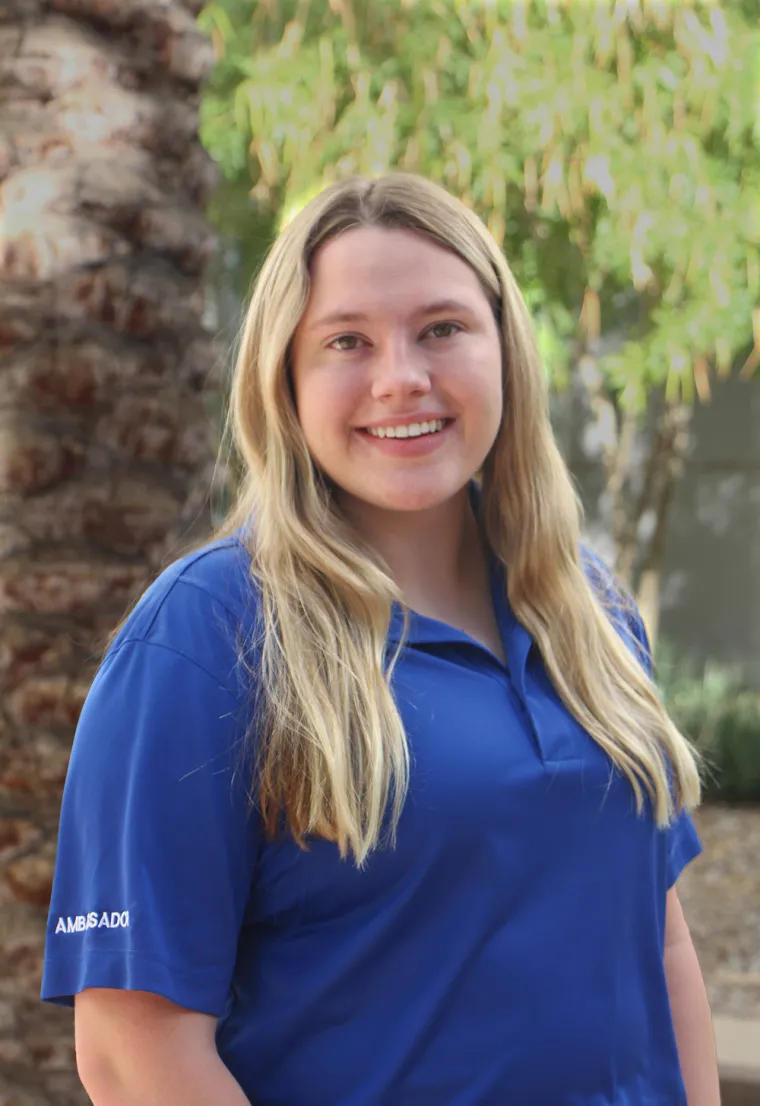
(619, 605)
(202, 606)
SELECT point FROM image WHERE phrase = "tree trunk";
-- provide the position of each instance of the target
(628, 504)
(667, 461)
(106, 445)
(618, 428)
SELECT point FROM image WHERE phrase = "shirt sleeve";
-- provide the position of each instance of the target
(681, 840)
(157, 843)
(682, 845)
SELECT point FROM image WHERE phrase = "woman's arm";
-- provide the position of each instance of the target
(690, 1010)
(138, 1049)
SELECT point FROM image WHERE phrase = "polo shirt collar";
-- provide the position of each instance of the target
(423, 631)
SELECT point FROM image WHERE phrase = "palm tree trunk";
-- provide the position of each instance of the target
(106, 443)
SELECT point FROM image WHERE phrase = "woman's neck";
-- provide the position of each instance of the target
(433, 555)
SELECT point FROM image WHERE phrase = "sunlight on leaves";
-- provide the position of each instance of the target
(611, 146)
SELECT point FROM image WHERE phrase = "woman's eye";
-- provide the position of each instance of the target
(348, 343)
(345, 343)
(444, 330)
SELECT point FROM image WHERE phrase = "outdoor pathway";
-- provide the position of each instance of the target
(720, 893)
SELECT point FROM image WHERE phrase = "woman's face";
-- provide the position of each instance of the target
(396, 369)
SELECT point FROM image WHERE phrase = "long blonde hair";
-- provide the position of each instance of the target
(332, 755)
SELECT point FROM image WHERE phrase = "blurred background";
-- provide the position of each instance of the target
(149, 153)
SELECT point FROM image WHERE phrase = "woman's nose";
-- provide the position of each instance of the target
(399, 370)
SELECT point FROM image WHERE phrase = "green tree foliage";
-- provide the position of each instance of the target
(611, 147)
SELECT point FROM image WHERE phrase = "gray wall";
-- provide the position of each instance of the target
(711, 587)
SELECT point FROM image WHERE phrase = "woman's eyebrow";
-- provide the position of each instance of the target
(341, 318)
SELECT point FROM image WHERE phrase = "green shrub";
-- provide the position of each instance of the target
(722, 717)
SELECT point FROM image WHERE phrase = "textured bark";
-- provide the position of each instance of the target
(669, 452)
(106, 441)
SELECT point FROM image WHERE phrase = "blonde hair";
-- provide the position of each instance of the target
(332, 757)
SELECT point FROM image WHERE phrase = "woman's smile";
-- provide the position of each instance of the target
(408, 439)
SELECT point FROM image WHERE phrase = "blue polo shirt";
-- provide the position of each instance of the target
(508, 950)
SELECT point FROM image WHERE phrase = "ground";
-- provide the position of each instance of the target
(720, 892)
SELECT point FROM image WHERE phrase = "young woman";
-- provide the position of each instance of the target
(373, 801)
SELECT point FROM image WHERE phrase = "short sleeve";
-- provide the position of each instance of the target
(156, 842)
(680, 839)
(682, 845)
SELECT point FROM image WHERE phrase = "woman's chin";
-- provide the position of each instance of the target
(405, 498)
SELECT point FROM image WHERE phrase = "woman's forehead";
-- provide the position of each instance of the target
(373, 269)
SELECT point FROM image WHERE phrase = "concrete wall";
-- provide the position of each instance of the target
(711, 587)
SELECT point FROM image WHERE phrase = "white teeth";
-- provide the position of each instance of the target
(412, 430)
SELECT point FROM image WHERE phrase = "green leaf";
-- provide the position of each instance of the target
(607, 146)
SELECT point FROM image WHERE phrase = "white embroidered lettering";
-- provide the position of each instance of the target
(115, 919)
